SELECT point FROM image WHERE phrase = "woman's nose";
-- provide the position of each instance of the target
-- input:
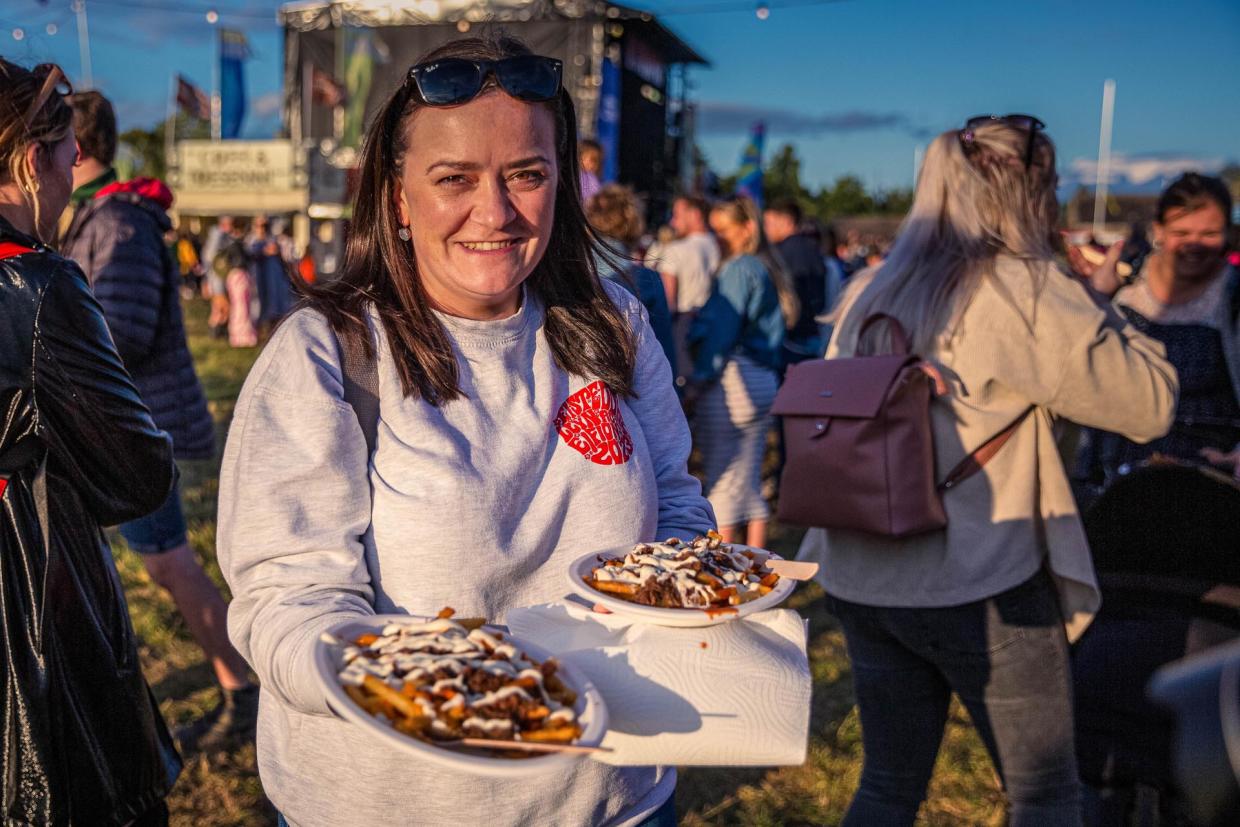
(493, 205)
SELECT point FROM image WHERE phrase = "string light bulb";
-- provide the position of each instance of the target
(764, 11)
(52, 28)
(213, 16)
(18, 34)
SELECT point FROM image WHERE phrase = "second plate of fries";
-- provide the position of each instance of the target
(697, 582)
(456, 693)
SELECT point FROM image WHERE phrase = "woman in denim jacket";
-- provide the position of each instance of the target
(737, 337)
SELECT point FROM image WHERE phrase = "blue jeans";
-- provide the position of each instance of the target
(665, 816)
(161, 530)
(1007, 660)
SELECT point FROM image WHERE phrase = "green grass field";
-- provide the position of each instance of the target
(224, 789)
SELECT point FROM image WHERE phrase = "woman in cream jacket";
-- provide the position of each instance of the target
(985, 608)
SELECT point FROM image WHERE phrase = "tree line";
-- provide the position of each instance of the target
(847, 196)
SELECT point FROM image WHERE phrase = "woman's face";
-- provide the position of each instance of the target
(733, 235)
(53, 166)
(477, 191)
(1194, 242)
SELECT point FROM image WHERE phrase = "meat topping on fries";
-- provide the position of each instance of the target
(440, 681)
(704, 573)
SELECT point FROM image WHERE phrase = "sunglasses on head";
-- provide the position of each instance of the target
(1026, 122)
(455, 80)
(54, 80)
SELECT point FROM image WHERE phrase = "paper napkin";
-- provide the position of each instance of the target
(733, 694)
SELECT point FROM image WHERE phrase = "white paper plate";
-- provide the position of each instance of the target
(329, 659)
(671, 617)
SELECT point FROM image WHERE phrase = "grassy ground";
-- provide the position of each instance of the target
(223, 789)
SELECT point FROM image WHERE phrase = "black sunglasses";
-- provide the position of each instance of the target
(1026, 122)
(454, 80)
(53, 80)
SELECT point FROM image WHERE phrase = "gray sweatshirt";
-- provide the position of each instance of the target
(479, 505)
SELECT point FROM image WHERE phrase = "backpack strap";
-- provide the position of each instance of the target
(361, 385)
(977, 460)
(899, 339)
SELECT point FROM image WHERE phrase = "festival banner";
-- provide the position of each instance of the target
(234, 51)
(749, 178)
(607, 127)
(363, 50)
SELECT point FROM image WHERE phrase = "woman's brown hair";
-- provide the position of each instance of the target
(32, 111)
(587, 334)
(614, 212)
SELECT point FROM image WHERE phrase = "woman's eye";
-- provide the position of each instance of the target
(451, 180)
(529, 177)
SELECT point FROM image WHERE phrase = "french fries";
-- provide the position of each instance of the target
(442, 682)
(390, 696)
(704, 573)
(614, 587)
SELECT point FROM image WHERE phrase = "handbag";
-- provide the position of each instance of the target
(860, 446)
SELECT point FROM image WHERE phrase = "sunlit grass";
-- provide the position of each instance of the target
(223, 789)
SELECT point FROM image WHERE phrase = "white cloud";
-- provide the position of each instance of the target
(1145, 168)
(728, 118)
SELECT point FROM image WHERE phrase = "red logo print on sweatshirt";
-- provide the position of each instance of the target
(590, 421)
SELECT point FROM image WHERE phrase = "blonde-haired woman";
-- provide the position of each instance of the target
(737, 338)
(986, 607)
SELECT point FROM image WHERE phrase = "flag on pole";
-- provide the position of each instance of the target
(192, 100)
(749, 178)
(363, 51)
(325, 90)
(608, 121)
(234, 51)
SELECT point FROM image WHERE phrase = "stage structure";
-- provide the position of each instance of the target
(623, 68)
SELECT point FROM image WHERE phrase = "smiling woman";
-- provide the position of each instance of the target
(526, 411)
(460, 203)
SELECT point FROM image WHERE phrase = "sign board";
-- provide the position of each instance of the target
(237, 176)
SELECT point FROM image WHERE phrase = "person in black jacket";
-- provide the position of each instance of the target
(798, 252)
(83, 740)
(116, 235)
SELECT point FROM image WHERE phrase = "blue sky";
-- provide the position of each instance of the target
(855, 85)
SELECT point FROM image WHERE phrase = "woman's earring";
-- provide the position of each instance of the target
(403, 232)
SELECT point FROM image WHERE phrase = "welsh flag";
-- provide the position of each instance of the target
(749, 178)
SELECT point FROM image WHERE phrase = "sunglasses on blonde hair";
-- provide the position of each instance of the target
(54, 80)
(1027, 123)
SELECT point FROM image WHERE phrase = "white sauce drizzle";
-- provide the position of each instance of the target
(438, 657)
(680, 564)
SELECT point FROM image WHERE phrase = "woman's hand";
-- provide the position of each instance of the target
(1103, 277)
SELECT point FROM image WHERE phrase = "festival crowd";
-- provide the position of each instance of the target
(490, 281)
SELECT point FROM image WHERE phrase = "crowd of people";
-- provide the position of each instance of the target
(533, 363)
(247, 273)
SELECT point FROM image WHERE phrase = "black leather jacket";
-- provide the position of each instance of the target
(81, 739)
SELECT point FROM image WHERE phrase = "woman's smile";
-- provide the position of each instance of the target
(492, 247)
